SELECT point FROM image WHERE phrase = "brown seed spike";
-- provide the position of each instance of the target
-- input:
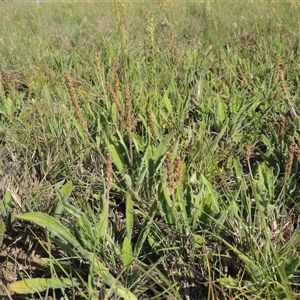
(151, 123)
(78, 111)
(115, 98)
(108, 172)
(170, 172)
(292, 149)
(282, 125)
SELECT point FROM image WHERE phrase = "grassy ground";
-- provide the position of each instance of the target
(149, 151)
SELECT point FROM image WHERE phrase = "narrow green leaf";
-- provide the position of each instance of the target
(79, 128)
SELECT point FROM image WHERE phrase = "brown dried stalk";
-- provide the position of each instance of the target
(37, 109)
(293, 112)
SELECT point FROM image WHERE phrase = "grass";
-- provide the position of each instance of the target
(147, 155)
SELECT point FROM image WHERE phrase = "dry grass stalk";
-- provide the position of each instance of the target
(291, 153)
(245, 81)
(98, 62)
(117, 84)
(78, 111)
(207, 10)
(1, 84)
(178, 170)
(293, 112)
(282, 126)
(277, 70)
(128, 119)
(37, 109)
(108, 173)
(170, 172)
(248, 155)
(151, 123)
(151, 32)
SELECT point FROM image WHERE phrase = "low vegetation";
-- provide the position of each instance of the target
(147, 153)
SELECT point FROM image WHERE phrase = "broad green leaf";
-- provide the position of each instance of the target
(214, 206)
(198, 241)
(9, 107)
(166, 204)
(144, 168)
(85, 228)
(64, 193)
(146, 229)
(162, 147)
(129, 216)
(126, 252)
(291, 264)
(37, 285)
(181, 204)
(229, 282)
(5, 204)
(117, 160)
(53, 226)
(119, 157)
(158, 157)
(7, 198)
(219, 114)
(2, 231)
(168, 104)
(102, 224)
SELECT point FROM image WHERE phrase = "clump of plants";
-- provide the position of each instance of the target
(151, 159)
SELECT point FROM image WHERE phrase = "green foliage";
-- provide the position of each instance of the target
(214, 93)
